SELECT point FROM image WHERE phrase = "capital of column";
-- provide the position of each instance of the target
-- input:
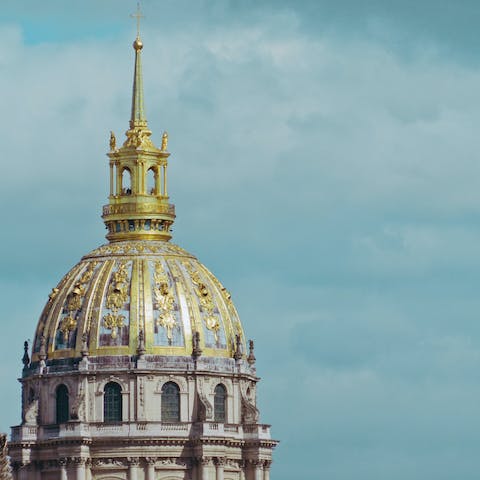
(133, 461)
(205, 461)
(151, 460)
(220, 461)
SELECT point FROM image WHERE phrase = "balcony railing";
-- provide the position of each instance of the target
(70, 430)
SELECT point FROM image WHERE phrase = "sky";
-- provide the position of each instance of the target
(324, 166)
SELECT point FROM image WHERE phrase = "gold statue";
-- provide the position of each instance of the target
(164, 141)
(113, 142)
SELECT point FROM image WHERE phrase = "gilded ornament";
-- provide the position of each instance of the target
(67, 325)
(74, 301)
(117, 296)
(164, 301)
(164, 141)
(53, 294)
(113, 142)
(113, 322)
(206, 301)
(138, 138)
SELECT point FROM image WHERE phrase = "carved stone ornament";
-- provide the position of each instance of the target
(250, 412)
(31, 413)
(196, 350)
(238, 348)
(251, 355)
(108, 462)
(133, 461)
(84, 351)
(205, 410)
(42, 354)
(78, 407)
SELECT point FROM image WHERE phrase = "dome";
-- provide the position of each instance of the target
(125, 293)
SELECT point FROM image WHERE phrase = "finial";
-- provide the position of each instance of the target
(113, 142)
(25, 358)
(238, 348)
(42, 354)
(53, 294)
(138, 15)
(84, 350)
(196, 350)
(137, 118)
(164, 141)
(141, 350)
(251, 356)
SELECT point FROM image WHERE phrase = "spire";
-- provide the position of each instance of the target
(138, 207)
(137, 118)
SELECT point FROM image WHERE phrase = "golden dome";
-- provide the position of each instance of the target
(138, 294)
(124, 288)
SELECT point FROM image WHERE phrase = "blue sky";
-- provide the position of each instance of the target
(324, 166)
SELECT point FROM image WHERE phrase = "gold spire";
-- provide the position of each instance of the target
(138, 206)
(138, 112)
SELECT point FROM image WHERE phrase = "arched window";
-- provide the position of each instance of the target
(219, 403)
(126, 182)
(170, 402)
(151, 182)
(62, 407)
(112, 403)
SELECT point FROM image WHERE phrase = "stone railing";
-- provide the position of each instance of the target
(25, 433)
(150, 362)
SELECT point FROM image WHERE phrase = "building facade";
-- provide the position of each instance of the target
(139, 369)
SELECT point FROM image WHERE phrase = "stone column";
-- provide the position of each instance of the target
(133, 468)
(62, 463)
(22, 472)
(150, 468)
(220, 466)
(80, 468)
(256, 470)
(205, 463)
(266, 469)
(88, 470)
(242, 465)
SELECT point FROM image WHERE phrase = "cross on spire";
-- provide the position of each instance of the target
(138, 15)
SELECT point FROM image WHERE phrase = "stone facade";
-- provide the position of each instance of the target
(142, 446)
